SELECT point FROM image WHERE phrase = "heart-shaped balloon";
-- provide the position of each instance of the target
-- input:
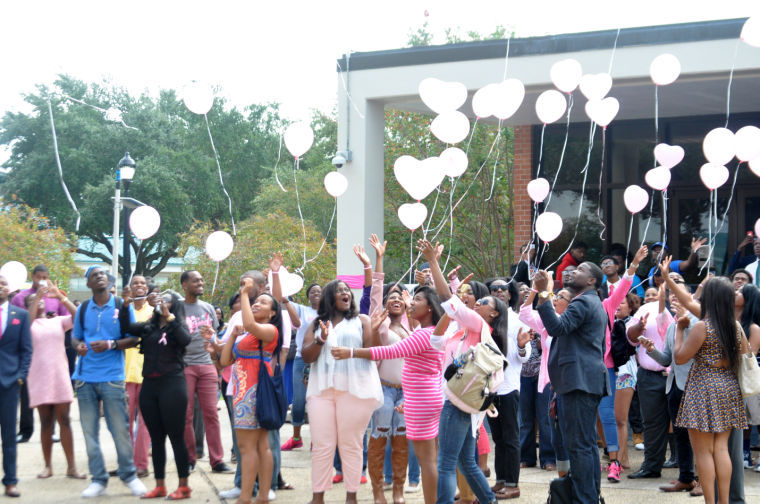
(719, 146)
(550, 106)
(658, 178)
(596, 86)
(566, 74)
(336, 183)
(509, 97)
(453, 161)
(713, 175)
(451, 127)
(298, 138)
(668, 155)
(754, 166)
(602, 112)
(412, 215)
(747, 143)
(635, 198)
(290, 283)
(418, 178)
(442, 96)
(750, 34)
(538, 189)
(484, 101)
(665, 69)
(548, 226)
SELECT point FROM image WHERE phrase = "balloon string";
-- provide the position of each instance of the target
(216, 275)
(60, 170)
(628, 243)
(730, 81)
(664, 194)
(730, 198)
(495, 162)
(656, 118)
(541, 151)
(649, 220)
(411, 254)
(562, 154)
(279, 154)
(296, 166)
(506, 57)
(601, 175)
(614, 48)
(221, 179)
(101, 110)
(345, 87)
(329, 228)
(451, 226)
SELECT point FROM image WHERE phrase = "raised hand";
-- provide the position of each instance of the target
(523, 336)
(126, 294)
(54, 292)
(407, 298)
(275, 262)
(641, 254)
(643, 321)
(453, 273)
(684, 322)
(665, 266)
(647, 344)
(325, 331)
(696, 243)
(361, 254)
(541, 280)
(245, 285)
(550, 283)
(427, 249)
(378, 318)
(420, 277)
(438, 251)
(468, 278)
(379, 247)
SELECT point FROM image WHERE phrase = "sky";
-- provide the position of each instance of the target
(258, 52)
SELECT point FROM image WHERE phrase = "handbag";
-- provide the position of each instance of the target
(271, 400)
(749, 371)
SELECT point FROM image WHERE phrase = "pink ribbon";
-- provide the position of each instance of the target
(162, 341)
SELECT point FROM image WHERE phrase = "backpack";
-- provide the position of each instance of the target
(620, 349)
(474, 377)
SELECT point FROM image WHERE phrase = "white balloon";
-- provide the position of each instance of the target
(747, 143)
(484, 101)
(509, 97)
(668, 155)
(219, 245)
(336, 183)
(757, 228)
(665, 69)
(454, 161)
(750, 34)
(538, 189)
(15, 274)
(419, 178)
(719, 146)
(566, 74)
(550, 106)
(412, 215)
(635, 198)
(144, 221)
(596, 86)
(754, 165)
(442, 96)
(548, 226)
(602, 112)
(713, 175)
(290, 283)
(451, 127)
(658, 178)
(198, 97)
(298, 138)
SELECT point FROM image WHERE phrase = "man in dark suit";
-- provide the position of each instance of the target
(577, 371)
(15, 357)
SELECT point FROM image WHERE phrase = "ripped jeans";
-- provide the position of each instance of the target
(386, 421)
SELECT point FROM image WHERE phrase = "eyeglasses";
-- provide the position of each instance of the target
(607, 263)
(482, 302)
(495, 288)
(563, 298)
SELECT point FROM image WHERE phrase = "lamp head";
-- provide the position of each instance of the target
(126, 168)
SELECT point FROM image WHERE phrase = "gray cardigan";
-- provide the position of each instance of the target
(665, 357)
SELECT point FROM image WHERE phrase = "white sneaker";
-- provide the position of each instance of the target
(137, 487)
(757, 467)
(271, 495)
(639, 446)
(94, 490)
(412, 488)
(232, 493)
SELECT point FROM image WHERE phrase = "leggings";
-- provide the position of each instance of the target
(163, 401)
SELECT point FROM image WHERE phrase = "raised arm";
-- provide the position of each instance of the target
(379, 251)
(684, 297)
(684, 351)
(691, 261)
(264, 332)
(430, 253)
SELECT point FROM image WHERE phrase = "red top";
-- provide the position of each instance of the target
(568, 260)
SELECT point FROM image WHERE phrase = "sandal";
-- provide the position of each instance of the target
(285, 486)
(74, 474)
(159, 491)
(182, 492)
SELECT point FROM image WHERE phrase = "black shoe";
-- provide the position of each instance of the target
(670, 464)
(221, 467)
(643, 473)
(20, 438)
(113, 473)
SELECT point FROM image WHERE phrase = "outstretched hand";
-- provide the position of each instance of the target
(361, 254)
(379, 247)
(665, 266)
(641, 254)
(523, 336)
(453, 273)
(429, 251)
(541, 280)
(378, 318)
(275, 262)
(696, 243)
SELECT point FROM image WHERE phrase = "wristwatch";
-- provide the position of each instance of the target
(545, 294)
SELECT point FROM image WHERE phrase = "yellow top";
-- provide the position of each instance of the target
(133, 359)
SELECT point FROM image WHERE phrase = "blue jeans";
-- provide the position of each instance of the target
(456, 449)
(287, 379)
(414, 466)
(579, 425)
(534, 405)
(607, 415)
(386, 421)
(112, 395)
(299, 393)
(558, 442)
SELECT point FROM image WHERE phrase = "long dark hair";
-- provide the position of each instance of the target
(751, 312)
(389, 288)
(327, 309)
(276, 319)
(431, 296)
(479, 289)
(718, 306)
(500, 324)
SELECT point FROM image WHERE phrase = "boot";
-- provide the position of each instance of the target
(399, 462)
(375, 462)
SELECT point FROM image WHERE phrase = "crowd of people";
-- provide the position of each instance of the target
(581, 358)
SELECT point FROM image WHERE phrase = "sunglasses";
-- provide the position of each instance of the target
(495, 288)
(482, 302)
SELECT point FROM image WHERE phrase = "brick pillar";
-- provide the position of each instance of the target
(522, 170)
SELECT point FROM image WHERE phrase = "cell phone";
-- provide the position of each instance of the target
(532, 246)
(641, 339)
(43, 283)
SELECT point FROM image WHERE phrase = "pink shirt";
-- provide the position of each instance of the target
(610, 306)
(655, 330)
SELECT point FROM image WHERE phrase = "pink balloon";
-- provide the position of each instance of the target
(538, 189)
(658, 178)
(668, 155)
(550, 106)
(713, 175)
(747, 143)
(412, 215)
(548, 226)
(602, 112)
(719, 146)
(635, 198)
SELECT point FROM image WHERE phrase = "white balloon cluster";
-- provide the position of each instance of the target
(444, 98)
(501, 99)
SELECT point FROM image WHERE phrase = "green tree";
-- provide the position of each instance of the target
(257, 237)
(28, 237)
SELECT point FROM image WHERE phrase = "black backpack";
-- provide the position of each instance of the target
(620, 349)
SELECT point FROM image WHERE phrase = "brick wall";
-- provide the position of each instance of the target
(522, 204)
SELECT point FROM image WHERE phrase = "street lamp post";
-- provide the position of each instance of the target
(125, 171)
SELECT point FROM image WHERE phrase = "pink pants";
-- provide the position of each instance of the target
(202, 378)
(339, 419)
(140, 443)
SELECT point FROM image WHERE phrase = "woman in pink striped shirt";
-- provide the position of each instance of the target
(420, 379)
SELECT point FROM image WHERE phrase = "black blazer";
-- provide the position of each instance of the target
(15, 347)
(576, 358)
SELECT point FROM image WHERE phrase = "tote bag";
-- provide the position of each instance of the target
(271, 400)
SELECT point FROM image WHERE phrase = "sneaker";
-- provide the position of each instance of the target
(137, 487)
(232, 493)
(94, 490)
(291, 444)
(271, 495)
(363, 481)
(639, 446)
(337, 478)
(221, 467)
(747, 460)
(412, 488)
(613, 472)
(757, 467)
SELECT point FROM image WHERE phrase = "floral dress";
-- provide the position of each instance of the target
(246, 378)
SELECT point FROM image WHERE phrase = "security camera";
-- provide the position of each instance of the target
(338, 161)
